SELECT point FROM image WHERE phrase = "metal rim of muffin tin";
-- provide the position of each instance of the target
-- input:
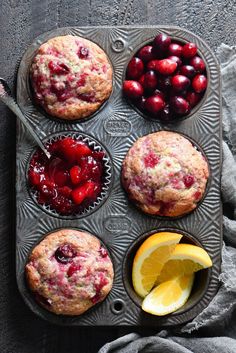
(108, 174)
(117, 223)
(179, 118)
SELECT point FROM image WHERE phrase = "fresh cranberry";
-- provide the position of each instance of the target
(166, 66)
(175, 49)
(198, 64)
(152, 65)
(166, 114)
(150, 81)
(132, 89)
(161, 43)
(179, 105)
(187, 70)
(189, 50)
(83, 53)
(199, 83)
(72, 269)
(135, 68)
(141, 80)
(164, 84)
(151, 160)
(75, 174)
(88, 189)
(103, 252)
(141, 103)
(188, 180)
(146, 54)
(176, 59)
(58, 68)
(154, 104)
(193, 98)
(65, 253)
(167, 71)
(180, 83)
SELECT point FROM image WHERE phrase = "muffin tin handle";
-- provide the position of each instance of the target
(7, 98)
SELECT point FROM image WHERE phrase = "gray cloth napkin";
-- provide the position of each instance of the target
(214, 320)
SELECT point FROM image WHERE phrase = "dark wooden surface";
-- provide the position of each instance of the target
(20, 21)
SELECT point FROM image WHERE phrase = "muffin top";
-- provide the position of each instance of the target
(164, 174)
(71, 77)
(69, 271)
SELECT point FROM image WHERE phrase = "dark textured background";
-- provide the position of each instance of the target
(20, 21)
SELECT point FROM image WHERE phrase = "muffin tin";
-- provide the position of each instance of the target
(116, 221)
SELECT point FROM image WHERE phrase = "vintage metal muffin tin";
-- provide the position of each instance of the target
(116, 222)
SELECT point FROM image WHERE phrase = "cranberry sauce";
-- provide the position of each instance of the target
(71, 180)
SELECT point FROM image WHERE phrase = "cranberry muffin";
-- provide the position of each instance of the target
(164, 174)
(69, 271)
(71, 77)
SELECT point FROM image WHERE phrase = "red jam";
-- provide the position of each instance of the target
(71, 179)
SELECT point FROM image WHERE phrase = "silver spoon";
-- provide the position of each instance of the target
(7, 98)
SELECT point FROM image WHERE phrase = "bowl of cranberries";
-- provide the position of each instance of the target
(76, 179)
(166, 79)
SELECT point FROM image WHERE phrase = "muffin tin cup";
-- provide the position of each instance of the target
(178, 119)
(116, 222)
(108, 174)
(201, 281)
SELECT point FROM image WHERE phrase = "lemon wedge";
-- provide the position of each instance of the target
(150, 259)
(184, 260)
(169, 296)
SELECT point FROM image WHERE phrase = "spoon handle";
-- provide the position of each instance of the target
(6, 98)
